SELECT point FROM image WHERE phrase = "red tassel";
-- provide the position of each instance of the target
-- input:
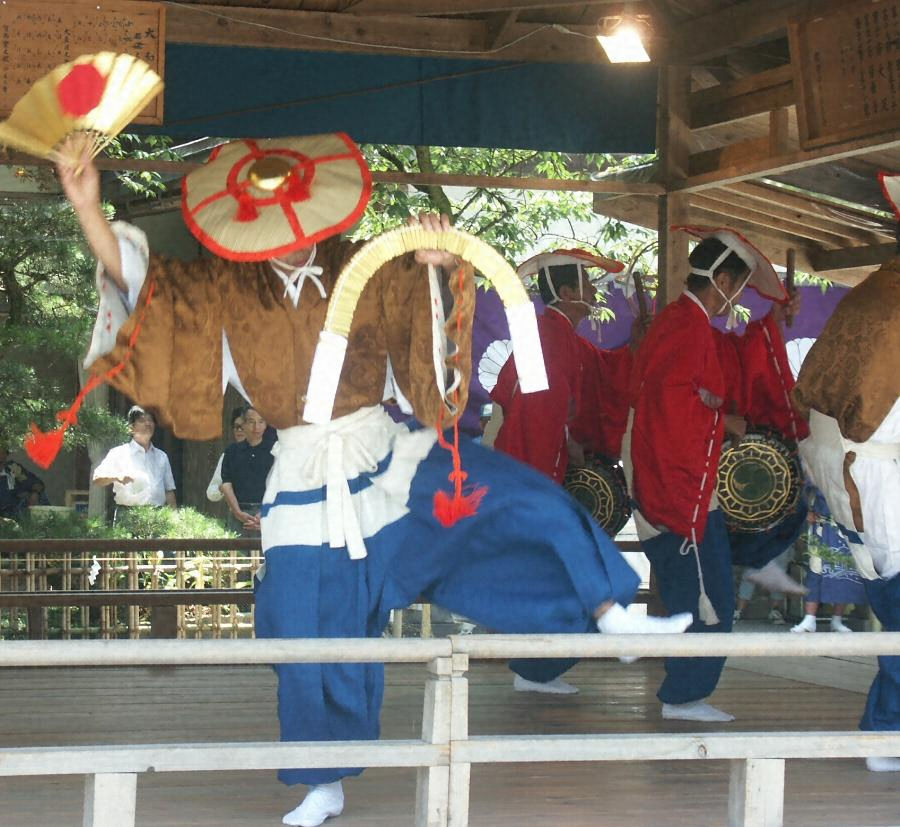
(42, 447)
(246, 208)
(297, 187)
(450, 510)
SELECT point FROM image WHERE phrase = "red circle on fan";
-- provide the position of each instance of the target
(80, 90)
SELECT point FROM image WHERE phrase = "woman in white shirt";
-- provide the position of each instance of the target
(138, 471)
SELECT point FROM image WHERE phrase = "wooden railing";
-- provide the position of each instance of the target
(167, 606)
(37, 575)
(445, 753)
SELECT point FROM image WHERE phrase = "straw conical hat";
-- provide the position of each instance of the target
(763, 277)
(255, 200)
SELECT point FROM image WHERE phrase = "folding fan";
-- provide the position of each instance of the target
(95, 96)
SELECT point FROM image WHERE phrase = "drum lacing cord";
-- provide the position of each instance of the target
(706, 609)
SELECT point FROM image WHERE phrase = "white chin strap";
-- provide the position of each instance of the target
(595, 323)
(709, 273)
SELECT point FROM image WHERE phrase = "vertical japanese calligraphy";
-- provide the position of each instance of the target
(846, 64)
(38, 35)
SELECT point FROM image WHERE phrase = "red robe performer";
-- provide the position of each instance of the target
(536, 426)
(687, 388)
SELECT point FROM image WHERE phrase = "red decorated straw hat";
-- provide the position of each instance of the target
(763, 277)
(256, 200)
(554, 258)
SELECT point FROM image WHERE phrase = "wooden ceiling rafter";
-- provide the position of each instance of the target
(773, 218)
(406, 35)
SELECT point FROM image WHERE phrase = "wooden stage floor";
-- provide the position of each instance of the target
(138, 705)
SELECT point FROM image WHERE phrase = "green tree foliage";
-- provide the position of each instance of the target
(48, 299)
(512, 221)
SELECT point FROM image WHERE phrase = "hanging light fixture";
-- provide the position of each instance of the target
(622, 43)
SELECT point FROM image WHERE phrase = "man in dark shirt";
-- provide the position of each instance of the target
(245, 467)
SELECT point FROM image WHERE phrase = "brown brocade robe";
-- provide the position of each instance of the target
(851, 372)
(851, 376)
(176, 366)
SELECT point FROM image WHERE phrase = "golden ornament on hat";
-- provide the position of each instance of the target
(269, 173)
(93, 97)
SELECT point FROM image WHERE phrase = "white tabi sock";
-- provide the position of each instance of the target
(877, 763)
(322, 802)
(808, 624)
(617, 621)
(773, 579)
(837, 624)
(696, 711)
(555, 687)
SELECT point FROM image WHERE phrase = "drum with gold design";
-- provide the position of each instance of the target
(600, 487)
(759, 481)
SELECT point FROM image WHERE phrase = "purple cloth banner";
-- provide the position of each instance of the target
(490, 327)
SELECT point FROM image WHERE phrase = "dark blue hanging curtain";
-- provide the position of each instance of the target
(232, 93)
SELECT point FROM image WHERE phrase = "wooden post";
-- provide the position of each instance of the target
(164, 622)
(673, 119)
(756, 793)
(459, 733)
(110, 800)
(425, 629)
(433, 783)
(397, 622)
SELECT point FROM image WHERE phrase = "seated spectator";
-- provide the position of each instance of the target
(28, 488)
(19, 488)
(245, 467)
(139, 472)
(213, 490)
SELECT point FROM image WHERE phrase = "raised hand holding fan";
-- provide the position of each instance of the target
(93, 96)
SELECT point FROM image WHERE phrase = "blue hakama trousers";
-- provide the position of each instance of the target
(530, 561)
(692, 679)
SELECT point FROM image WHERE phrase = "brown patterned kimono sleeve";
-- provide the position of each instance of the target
(851, 371)
(175, 365)
(407, 313)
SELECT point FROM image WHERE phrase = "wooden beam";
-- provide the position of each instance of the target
(499, 25)
(399, 35)
(741, 165)
(742, 98)
(425, 8)
(619, 187)
(773, 219)
(642, 211)
(672, 207)
(821, 212)
(844, 259)
(742, 152)
(828, 228)
(739, 24)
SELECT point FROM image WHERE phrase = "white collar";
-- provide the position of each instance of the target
(697, 301)
(295, 277)
(134, 445)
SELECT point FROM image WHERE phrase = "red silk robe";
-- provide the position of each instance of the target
(677, 432)
(535, 425)
(602, 416)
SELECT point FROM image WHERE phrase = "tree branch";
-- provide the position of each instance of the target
(437, 195)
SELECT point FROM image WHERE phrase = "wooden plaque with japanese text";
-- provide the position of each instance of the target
(38, 35)
(846, 64)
